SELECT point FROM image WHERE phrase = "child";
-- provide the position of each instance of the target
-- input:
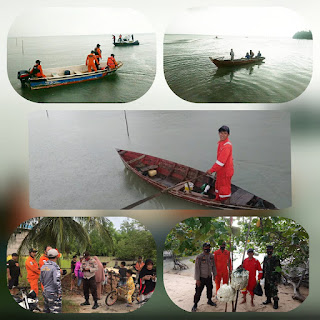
(106, 275)
(122, 272)
(130, 287)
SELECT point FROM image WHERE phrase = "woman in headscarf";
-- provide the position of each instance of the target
(99, 276)
(147, 281)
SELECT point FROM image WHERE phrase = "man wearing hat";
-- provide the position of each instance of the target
(223, 264)
(37, 70)
(252, 265)
(205, 269)
(33, 271)
(44, 256)
(272, 276)
(97, 52)
(13, 272)
(50, 278)
(223, 167)
(88, 267)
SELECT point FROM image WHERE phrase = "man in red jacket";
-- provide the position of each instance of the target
(223, 265)
(252, 265)
(223, 166)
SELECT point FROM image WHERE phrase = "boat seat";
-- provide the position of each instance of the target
(147, 168)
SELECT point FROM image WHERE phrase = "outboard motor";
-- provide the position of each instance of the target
(23, 76)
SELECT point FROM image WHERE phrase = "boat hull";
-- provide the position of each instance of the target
(55, 80)
(126, 43)
(170, 174)
(235, 63)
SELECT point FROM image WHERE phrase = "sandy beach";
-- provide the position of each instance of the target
(180, 287)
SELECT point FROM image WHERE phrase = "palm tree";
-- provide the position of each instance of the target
(62, 232)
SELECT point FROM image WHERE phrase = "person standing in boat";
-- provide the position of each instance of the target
(92, 61)
(97, 52)
(111, 62)
(120, 37)
(132, 37)
(232, 55)
(251, 54)
(114, 38)
(37, 70)
(223, 167)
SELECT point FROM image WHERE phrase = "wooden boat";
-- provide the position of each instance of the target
(65, 75)
(126, 43)
(170, 174)
(236, 62)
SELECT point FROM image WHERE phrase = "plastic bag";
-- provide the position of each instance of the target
(258, 290)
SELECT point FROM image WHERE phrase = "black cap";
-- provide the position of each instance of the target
(224, 129)
(38, 61)
(15, 255)
(206, 244)
(86, 254)
(269, 247)
(250, 250)
(112, 55)
(33, 250)
(92, 51)
(98, 45)
(223, 243)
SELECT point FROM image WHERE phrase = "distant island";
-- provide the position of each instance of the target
(303, 35)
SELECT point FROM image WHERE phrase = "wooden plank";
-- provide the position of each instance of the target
(136, 159)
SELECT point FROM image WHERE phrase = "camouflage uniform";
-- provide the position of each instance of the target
(50, 277)
(272, 277)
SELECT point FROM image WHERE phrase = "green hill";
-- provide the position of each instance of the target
(303, 35)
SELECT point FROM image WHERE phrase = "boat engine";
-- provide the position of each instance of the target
(23, 76)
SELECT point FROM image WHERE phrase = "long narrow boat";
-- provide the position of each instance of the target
(126, 43)
(65, 75)
(168, 174)
(236, 62)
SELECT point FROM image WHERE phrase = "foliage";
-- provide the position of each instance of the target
(303, 35)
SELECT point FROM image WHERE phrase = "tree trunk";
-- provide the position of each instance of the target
(296, 293)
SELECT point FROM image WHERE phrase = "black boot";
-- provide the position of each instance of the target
(275, 304)
(86, 303)
(95, 306)
(267, 301)
(211, 303)
(194, 308)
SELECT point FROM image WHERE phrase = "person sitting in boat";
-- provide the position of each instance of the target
(37, 70)
(232, 55)
(247, 55)
(97, 52)
(251, 54)
(258, 55)
(92, 61)
(112, 63)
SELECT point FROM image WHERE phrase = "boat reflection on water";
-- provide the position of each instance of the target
(222, 72)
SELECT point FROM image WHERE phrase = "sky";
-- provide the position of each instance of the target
(238, 21)
(117, 221)
(80, 21)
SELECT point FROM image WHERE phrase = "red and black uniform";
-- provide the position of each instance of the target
(224, 169)
(37, 71)
(112, 63)
(252, 266)
(223, 265)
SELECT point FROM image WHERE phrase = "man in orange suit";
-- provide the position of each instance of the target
(92, 61)
(33, 271)
(223, 265)
(44, 257)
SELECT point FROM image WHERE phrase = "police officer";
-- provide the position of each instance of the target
(272, 276)
(205, 269)
(50, 277)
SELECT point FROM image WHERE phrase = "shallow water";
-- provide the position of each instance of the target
(284, 75)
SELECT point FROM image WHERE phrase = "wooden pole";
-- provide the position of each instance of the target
(47, 113)
(125, 116)
(22, 48)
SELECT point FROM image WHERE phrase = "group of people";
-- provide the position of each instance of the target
(93, 60)
(217, 266)
(249, 55)
(120, 38)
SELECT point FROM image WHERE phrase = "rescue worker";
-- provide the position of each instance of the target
(252, 265)
(272, 277)
(37, 70)
(44, 257)
(223, 264)
(223, 167)
(97, 52)
(33, 271)
(120, 38)
(111, 62)
(50, 278)
(88, 267)
(92, 61)
(205, 269)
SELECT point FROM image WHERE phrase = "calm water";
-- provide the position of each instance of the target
(129, 83)
(283, 76)
(74, 164)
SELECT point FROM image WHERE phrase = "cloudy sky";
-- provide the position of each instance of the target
(80, 21)
(238, 21)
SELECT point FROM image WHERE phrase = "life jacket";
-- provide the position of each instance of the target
(111, 62)
(35, 69)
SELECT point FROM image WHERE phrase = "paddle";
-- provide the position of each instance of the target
(160, 193)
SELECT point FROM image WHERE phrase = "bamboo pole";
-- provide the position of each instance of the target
(125, 116)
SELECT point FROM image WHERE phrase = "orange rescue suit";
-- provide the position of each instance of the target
(223, 265)
(112, 63)
(33, 274)
(37, 71)
(98, 50)
(224, 169)
(90, 62)
(42, 260)
(252, 266)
